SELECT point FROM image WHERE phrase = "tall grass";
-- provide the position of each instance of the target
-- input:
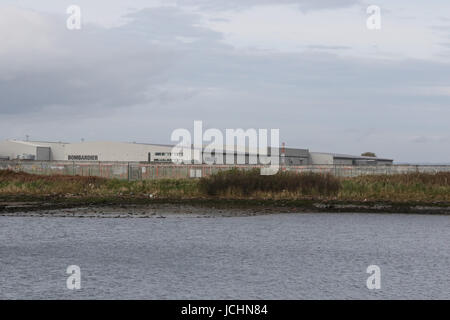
(23, 183)
(236, 183)
(19, 183)
(398, 187)
(245, 183)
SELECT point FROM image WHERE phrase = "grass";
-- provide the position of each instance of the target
(19, 183)
(240, 183)
(236, 184)
(423, 187)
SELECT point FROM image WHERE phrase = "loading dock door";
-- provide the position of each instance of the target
(43, 153)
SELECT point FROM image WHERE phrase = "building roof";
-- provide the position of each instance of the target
(348, 156)
(28, 143)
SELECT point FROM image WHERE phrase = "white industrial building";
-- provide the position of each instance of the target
(84, 151)
(159, 153)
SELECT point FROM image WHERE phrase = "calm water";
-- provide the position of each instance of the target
(300, 256)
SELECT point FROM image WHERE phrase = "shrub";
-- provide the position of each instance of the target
(368, 154)
(247, 182)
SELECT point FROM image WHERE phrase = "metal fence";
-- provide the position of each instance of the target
(146, 171)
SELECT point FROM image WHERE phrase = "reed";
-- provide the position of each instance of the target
(239, 184)
(250, 182)
(398, 187)
(19, 183)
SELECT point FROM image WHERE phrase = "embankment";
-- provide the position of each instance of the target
(232, 190)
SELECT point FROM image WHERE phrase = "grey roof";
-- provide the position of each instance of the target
(37, 141)
(349, 156)
(153, 144)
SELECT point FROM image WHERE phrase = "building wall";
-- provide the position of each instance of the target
(297, 153)
(343, 161)
(14, 150)
(117, 151)
(385, 162)
(321, 158)
(57, 149)
(295, 161)
(296, 157)
(136, 152)
(43, 153)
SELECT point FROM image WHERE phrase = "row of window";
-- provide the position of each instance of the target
(166, 154)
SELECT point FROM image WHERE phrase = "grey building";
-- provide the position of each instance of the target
(323, 158)
(295, 157)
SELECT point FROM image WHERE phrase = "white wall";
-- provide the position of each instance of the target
(13, 149)
(57, 149)
(114, 151)
(106, 151)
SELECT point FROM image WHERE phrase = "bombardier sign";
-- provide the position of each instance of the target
(82, 158)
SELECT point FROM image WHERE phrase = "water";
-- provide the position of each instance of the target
(297, 256)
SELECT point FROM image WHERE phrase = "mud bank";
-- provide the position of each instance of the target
(159, 208)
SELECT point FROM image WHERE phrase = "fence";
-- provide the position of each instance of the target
(146, 171)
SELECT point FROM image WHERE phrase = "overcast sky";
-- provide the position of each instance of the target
(139, 69)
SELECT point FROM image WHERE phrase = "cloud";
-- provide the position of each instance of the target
(303, 5)
(90, 68)
(325, 47)
(430, 139)
(164, 68)
(167, 24)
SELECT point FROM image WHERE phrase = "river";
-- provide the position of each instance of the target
(275, 256)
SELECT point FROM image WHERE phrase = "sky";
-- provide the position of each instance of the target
(137, 70)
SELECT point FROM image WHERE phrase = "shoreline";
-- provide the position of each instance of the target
(236, 192)
(205, 207)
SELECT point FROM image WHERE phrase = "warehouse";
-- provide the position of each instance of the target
(323, 158)
(295, 157)
(24, 150)
(84, 151)
(162, 153)
(129, 152)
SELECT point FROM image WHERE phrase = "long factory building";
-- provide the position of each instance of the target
(160, 153)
